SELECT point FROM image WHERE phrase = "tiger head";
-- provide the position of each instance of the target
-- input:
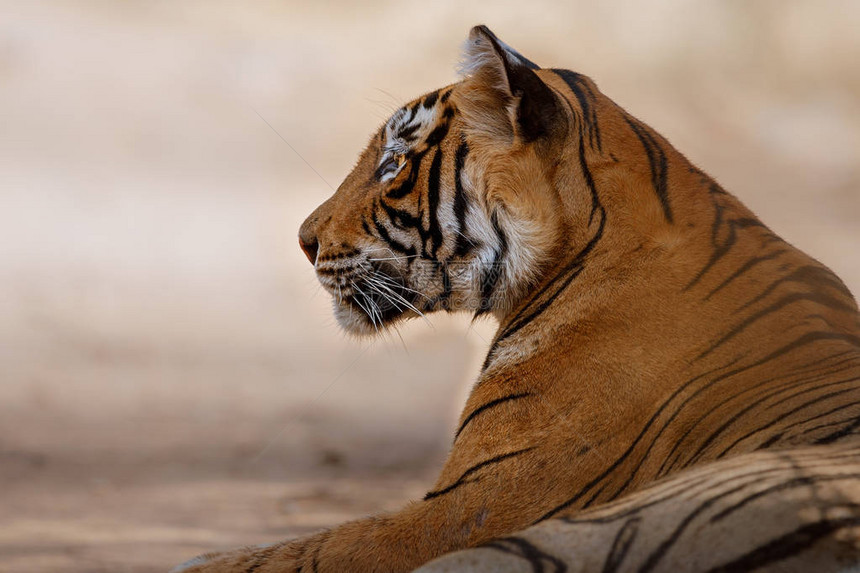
(466, 198)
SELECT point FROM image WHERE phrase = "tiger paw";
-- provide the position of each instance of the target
(261, 558)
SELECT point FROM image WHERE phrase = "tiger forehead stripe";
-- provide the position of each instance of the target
(405, 125)
(416, 115)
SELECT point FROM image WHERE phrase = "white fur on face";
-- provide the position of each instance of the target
(418, 123)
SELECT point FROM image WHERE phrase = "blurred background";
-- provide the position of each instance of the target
(172, 380)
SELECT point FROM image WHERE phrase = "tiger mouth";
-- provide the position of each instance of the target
(373, 309)
(378, 301)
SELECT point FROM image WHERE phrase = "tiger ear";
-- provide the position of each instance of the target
(502, 93)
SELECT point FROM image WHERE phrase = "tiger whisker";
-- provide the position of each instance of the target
(391, 296)
(372, 311)
(391, 282)
(340, 298)
(390, 250)
(400, 336)
(372, 249)
(388, 296)
(394, 297)
(465, 236)
(394, 258)
(395, 101)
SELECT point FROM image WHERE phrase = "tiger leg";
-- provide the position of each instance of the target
(471, 506)
(792, 511)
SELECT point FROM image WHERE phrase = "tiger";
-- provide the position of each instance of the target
(672, 386)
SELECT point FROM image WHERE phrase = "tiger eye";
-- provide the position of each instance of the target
(388, 165)
(393, 163)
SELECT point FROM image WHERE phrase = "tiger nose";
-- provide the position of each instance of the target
(309, 232)
(310, 246)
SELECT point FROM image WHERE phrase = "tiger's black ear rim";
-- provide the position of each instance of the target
(503, 48)
(538, 108)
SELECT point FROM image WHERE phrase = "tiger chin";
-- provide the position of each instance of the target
(672, 387)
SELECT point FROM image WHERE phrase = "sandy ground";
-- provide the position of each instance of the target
(172, 381)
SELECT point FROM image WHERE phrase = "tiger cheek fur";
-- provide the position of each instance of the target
(653, 336)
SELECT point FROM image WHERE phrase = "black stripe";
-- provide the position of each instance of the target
(730, 228)
(321, 540)
(566, 504)
(636, 507)
(800, 380)
(589, 181)
(621, 545)
(801, 481)
(807, 338)
(725, 425)
(813, 389)
(394, 244)
(576, 82)
(403, 219)
(462, 479)
(819, 416)
(811, 275)
(784, 416)
(587, 503)
(846, 431)
(412, 111)
(487, 406)
(513, 328)
(664, 468)
(657, 160)
(746, 267)
(526, 550)
(661, 550)
(768, 392)
(579, 259)
(408, 184)
(463, 245)
(524, 60)
(787, 545)
(631, 475)
(594, 124)
(493, 273)
(816, 297)
(437, 135)
(566, 275)
(672, 494)
(850, 419)
(408, 131)
(433, 179)
(770, 441)
(430, 100)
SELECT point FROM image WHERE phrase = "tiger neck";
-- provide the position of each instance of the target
(640, 216)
